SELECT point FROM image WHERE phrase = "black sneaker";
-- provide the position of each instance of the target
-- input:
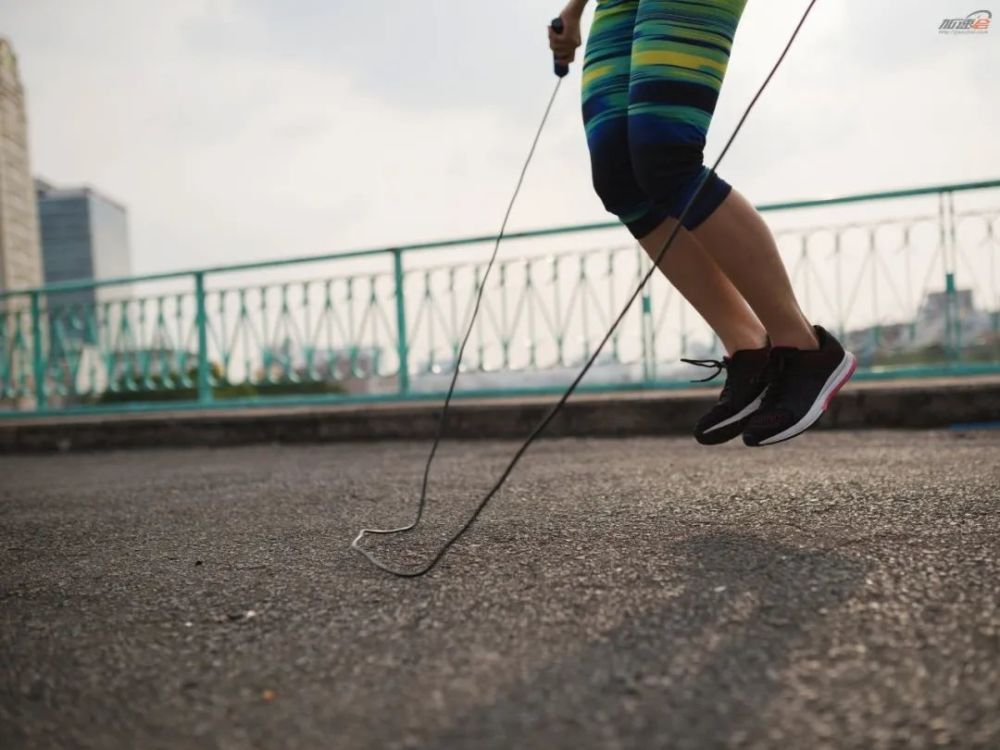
(740, 397)
(800, 385)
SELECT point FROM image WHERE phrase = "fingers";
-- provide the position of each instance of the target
(563, 56)
(563, 46)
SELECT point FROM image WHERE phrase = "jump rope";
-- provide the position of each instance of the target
(560, 70)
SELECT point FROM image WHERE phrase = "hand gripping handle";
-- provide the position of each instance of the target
(561, 69)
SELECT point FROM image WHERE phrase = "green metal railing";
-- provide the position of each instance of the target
(908, 278)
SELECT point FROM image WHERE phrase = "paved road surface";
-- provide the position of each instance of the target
(842, 590)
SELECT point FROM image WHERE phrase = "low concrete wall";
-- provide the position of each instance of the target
(910, 404)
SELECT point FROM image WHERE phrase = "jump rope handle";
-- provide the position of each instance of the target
(561, 69)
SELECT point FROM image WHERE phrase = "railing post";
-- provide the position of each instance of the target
(402, 345)
(949, 255)
(645, 322)
(201, 322)
(38, 358)
(956, 313)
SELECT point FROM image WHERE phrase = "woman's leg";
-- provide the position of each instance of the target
(743, 247)
(680, 52)
(606, 76)
(696, 276)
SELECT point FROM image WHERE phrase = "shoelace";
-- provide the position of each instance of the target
(719, 367)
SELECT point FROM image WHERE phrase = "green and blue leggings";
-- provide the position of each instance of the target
(651, 79)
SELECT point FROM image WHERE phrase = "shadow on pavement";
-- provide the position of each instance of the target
(697, 670)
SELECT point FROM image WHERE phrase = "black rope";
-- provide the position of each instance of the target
(557, 407)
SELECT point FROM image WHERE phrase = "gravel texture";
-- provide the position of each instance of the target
(841, 590)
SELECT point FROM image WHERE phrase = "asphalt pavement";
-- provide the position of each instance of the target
(838, 591)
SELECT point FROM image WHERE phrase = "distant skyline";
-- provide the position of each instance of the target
(235, 130)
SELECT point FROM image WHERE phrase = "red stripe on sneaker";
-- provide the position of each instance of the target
(841, 384)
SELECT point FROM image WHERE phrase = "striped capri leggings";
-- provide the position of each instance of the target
(651, 78)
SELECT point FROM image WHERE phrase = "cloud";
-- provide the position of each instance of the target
(241, 130)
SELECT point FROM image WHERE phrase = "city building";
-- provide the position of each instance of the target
(84, 234)
(20, 257)
(84, 237)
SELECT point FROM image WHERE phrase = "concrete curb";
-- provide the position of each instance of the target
(911, 404)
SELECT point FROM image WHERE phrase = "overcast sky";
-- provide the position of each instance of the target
(251, 129)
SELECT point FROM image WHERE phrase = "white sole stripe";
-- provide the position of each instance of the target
(743, 413)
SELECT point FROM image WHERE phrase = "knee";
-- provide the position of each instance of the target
(667, 173)
(614, 183)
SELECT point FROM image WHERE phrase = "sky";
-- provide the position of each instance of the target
(240, 130)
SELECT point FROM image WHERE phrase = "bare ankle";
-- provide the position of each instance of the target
(798, 339)
(748, 340)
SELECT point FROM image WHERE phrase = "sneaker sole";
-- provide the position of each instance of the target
(834, 383)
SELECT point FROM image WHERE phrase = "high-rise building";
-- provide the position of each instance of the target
(20, 258)
(84, 237)
(84, 234)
